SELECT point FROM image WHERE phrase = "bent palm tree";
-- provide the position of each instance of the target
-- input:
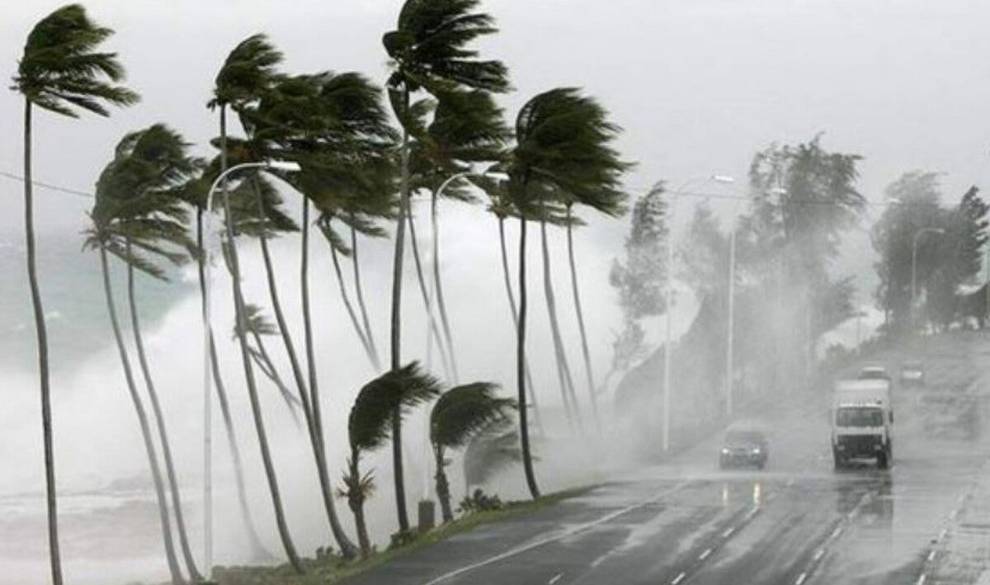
(490, 451)
(247, 71)
(563, 145)
(60, 71)
(369, 427)
(459, 415)
(429, 49)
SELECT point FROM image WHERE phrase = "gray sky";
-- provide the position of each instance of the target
(697, 84)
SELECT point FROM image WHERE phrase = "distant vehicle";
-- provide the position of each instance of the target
(744, 447)
(912, 374)
(874, 373)
(862, 420)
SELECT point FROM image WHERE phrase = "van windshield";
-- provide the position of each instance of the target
(859, 416)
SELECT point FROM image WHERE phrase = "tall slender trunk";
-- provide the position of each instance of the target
(348, 550)
(149, 445)
(345, 296)
(41, 330)
(359, 293)
(435, 225)
(241, 329)
(442, 486)
(580, 319)
(427, 302)
(396, 328)
(258, 549)
(308, 401)
(563, 369)
(506, 277)
(267, 367)
(156, 411)
(527, 456)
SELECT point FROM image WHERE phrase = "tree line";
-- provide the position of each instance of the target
(361, 153)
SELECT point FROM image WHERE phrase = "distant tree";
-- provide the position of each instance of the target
(490, 451)
(369, 427)
(919, 207)
(458, 416)
(60, 71)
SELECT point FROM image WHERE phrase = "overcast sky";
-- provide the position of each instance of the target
(698, 85)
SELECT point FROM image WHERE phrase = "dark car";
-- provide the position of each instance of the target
(741, 448)
(912, 374)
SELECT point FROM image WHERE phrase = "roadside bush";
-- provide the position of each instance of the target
(479, 501)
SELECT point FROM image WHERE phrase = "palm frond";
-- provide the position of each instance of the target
(490, 452)
(398, 391)
(464, 411)
(60, 70)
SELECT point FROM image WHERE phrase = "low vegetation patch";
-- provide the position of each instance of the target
(330, 568)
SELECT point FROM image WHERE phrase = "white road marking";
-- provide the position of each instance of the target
(942, 534)
(705, 554)
(836, 533)
(557, 537)
(801, 578)
(555, 578)
(931, 556)
(921, 580)
(752, 512)
(954, 513)
(728, 532)
(678, 579)
(819, 554)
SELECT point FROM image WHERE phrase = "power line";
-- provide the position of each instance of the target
(47, 185)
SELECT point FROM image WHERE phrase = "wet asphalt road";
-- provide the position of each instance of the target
(685, 522)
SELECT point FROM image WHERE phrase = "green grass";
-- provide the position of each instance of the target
(333, 569)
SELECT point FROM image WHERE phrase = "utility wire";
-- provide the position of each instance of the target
(47, 185)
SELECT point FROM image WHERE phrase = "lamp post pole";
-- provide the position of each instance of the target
(221, 180)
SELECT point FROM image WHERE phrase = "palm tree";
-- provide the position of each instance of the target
(458, 416)
(136, 219)
(369, 427)
(563, 145)
(249, 68)
(259, 327)
(335, 125)
(60, 71)
(429, 50)
(156, 159)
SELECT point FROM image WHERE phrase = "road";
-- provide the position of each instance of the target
(685, 522)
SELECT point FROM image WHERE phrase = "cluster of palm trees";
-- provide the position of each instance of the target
(360, 164)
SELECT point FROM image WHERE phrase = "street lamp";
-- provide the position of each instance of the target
(667, 390)
(914, 265)
(275, 165)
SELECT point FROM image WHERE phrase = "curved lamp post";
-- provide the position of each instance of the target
(221, 180)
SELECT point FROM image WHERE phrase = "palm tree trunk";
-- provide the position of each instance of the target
(396, 328)
(149, 445)
(563, 369)
(442, 486)
(435, 225)
(41, 330)
(359, 293)
(259, 421)
(537, 419)
(156, 410)
(427, 303)
(355, 323)
(355, 500)
(267, 367)
(347, 548)
(580, 319)
(259, 550)
(527, 456)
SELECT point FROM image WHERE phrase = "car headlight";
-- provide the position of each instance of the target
(725, 451)
(756, 451)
